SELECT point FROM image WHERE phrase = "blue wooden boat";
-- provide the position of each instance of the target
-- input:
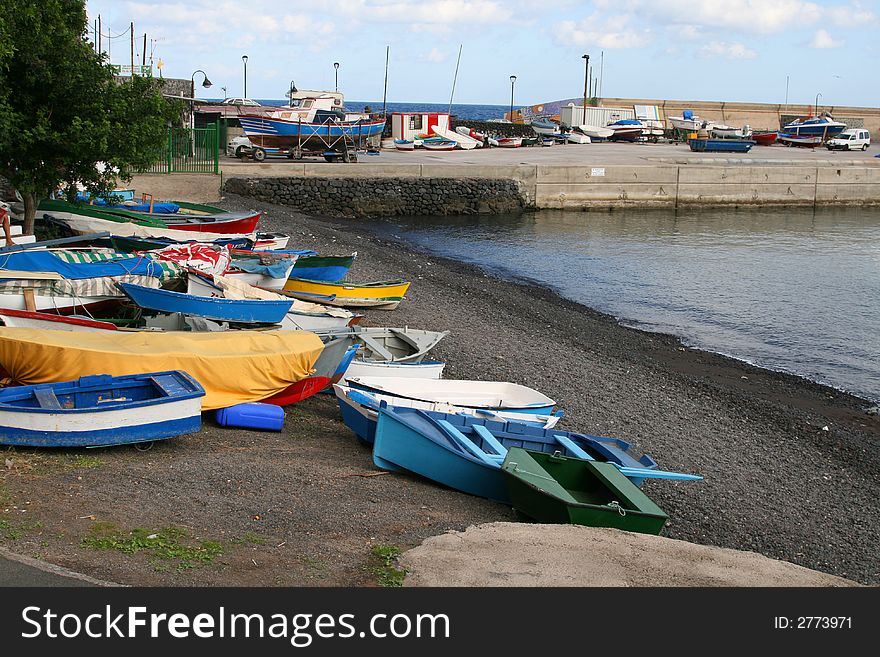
(721, 145)
(466, 453)
(249, 311)
(101, 410)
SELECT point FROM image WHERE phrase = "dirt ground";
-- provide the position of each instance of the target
(307, 507)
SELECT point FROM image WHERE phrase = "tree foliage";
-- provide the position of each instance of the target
(66, 119)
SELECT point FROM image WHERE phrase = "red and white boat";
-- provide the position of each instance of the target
(226, 223)
(626, 129)
(764, 138)
(509, 142)
(33, 319)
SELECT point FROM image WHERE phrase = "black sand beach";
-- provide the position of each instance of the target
(791, 467)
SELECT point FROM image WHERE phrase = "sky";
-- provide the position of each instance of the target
(721, 50)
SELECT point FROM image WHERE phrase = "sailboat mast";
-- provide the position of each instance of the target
(455, 77)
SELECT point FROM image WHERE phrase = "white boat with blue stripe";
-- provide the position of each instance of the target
(101, 410)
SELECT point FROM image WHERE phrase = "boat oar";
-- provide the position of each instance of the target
(636, 473)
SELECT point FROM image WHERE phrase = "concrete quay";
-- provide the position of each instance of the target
(594, 176)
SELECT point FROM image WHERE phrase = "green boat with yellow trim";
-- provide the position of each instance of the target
(552, 488)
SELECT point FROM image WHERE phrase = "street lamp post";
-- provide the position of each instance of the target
(206, 83)
(336, 71)
(244, 59)
(586, 59)
(224, 92)
(817, 103)
(512, 80)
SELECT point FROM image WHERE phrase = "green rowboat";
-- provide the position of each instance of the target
(551, 488)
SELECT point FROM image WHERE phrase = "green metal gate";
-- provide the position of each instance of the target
(190, 150)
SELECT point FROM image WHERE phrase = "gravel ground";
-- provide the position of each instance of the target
(791, 467)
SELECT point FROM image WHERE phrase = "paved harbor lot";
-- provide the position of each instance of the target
(600, 154)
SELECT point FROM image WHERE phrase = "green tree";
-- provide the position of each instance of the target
(65, 118)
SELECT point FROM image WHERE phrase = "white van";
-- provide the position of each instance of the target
(850, 140)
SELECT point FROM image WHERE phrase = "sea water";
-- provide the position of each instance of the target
(796, 290)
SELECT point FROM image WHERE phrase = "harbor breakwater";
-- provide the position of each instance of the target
(372, 197)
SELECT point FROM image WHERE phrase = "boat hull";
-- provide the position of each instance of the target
(228, 310)
(172, 409)
(383, 295)
(274, 133)
(28, 319)
(328, 369)
(329, 269)
(721, 145)
(420, 370)
(557, 489)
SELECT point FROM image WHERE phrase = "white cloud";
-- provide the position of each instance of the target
(727, 50)
(823, 40)
(611, 33)
(435, 55)
(754, 16)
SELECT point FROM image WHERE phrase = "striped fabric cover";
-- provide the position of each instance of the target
(170, 270)
(87, 287)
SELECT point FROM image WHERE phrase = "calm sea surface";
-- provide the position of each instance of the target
(792, 290)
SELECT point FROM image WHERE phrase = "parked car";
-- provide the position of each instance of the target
(241, 101)
(238, 146)
(850, 140)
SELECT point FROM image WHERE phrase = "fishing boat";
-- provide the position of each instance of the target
(576, 138)
(722, 131)
(32, 319)
(84, 221)
(823, 127)
(595, 132)
(424, 369)
(470, 132)
(500, 395)
(551, 488)
(360, 409)
(140, 244)
(391, 345)
(764, 138)
(721, 145)
(509, 142)
(404, 145)
(545, 127)
(246, 311)
(464, 142)
(465, 452)
(221, 222)
(383, 295)
(331, 269)
(689, 122)
(439, 145)
(101, 410)
(327, 370)
(791, 139)
(391, 352)
(268, 276)
(233, 367)
(626, 130)
(301, 316)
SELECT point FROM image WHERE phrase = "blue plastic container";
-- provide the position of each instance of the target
(254, 415)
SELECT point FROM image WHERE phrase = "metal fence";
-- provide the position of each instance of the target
(189, 150)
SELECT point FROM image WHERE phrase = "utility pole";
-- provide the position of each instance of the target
(100, 29)
(131, 29)
(144, 52)
(601, 69)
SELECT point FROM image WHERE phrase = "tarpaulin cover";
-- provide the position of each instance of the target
(45, 261)
(201, 257)
(277, 269)
(233, 366)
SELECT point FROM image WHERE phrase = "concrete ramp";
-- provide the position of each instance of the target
(521, 554)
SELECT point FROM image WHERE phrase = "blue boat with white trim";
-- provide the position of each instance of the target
(101, 410)
(465, 452)
(245, 311)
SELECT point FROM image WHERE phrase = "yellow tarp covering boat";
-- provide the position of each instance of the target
(232, 366)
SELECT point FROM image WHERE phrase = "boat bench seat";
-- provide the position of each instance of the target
(46, 398)
(168, 385)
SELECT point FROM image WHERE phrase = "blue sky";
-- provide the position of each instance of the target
(731, 50)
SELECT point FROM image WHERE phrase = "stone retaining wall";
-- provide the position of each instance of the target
(370, 197)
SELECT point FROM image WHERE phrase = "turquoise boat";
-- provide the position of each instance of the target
(466, 452)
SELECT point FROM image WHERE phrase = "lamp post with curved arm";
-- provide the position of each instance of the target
(336, 71)
(206, 83)
(817, 103)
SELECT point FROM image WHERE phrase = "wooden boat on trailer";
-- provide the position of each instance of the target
(465, 453)
(101, 410)
(552, 488)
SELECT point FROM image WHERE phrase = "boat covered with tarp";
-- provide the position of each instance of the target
(233, 367)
